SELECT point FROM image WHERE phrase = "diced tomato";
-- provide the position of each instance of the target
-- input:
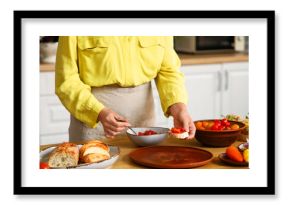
(182, 130)
(43, 165)
(174, 130)
(177, 130)
(147, 132)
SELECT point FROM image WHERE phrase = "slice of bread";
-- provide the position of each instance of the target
(64, 155)
(182, 135)
(94, 151)
(95, 157)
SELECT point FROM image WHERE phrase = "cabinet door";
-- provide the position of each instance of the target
(54, 118)
(203, 84)
(235, 98)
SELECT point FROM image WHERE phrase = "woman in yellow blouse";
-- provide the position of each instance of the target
(107, 79)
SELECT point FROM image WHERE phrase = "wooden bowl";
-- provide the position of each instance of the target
(218, 138)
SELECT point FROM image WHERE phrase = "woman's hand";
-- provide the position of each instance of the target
(112, 122)
(182, 118)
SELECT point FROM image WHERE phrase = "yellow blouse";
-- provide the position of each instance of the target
(92, 61)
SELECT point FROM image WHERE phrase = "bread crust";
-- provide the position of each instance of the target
(64, 155)
(90, 158)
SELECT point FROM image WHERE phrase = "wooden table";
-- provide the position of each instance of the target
(126, 146)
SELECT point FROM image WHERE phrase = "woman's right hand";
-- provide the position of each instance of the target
(112, 122)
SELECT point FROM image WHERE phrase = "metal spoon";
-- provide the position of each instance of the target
(132, 130)
(120, 120)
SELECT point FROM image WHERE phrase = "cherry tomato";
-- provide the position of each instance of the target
(217, 122)
(224, 121)
(215, 127)
(201, 128)
(199, 125)
(43, 165)
(205, 124)
(209, 126)
(222, 127)
(235, 127)
(228, 124)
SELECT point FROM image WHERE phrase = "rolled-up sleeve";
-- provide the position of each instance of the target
(170, 80)
(75, 95)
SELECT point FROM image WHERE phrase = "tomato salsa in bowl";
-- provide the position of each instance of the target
(147, 136)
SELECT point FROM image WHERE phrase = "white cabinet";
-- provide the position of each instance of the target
(54, 118)
(217, 89)
(203, 84)
(235, 93)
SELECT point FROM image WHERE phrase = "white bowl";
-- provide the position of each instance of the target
(148, 140)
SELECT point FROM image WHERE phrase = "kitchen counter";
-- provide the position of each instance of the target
(126, 146)
(189, 59)
(193, 59)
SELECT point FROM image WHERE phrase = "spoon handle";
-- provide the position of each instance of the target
(120, 120)
(132, 130)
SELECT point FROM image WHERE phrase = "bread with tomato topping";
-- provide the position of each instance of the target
(64, 155)
(179, 133)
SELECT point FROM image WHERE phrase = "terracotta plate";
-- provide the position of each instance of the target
(223, 157)
(171, 157)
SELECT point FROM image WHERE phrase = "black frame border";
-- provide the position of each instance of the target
(269, 15)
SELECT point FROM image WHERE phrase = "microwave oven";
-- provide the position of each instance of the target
(210, 44)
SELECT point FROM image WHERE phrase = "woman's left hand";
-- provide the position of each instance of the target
(182, 118)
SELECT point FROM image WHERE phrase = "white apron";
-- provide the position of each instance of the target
(136, 104)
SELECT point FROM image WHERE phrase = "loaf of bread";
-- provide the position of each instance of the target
(94, 151)
(64, 155)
